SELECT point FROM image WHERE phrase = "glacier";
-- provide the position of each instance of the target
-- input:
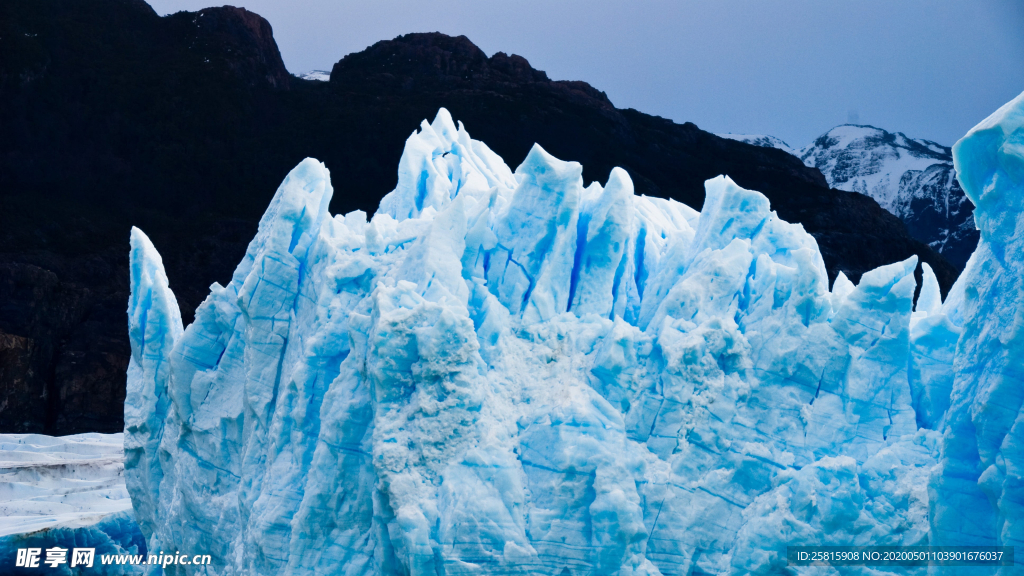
(67, 492)
(509, 372)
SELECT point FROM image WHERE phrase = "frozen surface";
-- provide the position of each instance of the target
(516, 372)
(65, 491)
(69, 481)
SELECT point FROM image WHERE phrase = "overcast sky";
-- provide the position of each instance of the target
(929, 68)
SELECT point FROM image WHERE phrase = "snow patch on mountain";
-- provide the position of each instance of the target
(762, 140)
(913, 179)
(318, 75)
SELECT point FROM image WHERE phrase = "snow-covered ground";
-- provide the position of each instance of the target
(69, 481)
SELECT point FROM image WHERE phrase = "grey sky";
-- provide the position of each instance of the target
(793, 69)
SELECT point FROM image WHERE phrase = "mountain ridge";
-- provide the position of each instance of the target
(184, 125)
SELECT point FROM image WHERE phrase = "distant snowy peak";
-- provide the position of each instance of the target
(318, 75)
(848, 136)
(763, 140)
(871, 161)
(913, 179)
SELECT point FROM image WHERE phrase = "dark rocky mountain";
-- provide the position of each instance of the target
(937, 211)
(184, 125)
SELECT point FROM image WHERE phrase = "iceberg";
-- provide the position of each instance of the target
(511, 372)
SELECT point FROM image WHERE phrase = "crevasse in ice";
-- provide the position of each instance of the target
(513, 373)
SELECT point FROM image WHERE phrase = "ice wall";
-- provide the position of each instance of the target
(514, 373)
(978, 487)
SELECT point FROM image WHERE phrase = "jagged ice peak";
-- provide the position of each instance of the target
(513, 373)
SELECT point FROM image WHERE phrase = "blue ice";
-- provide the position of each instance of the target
(517, 372)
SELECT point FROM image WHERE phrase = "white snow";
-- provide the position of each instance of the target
(871, 161)
(318, 75)
(862, 159)
(763, 140)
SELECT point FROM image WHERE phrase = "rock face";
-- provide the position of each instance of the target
(243, 39)
(184, 125)
(434, 61)
(59, 346)
(514, 373)
(86, 91)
